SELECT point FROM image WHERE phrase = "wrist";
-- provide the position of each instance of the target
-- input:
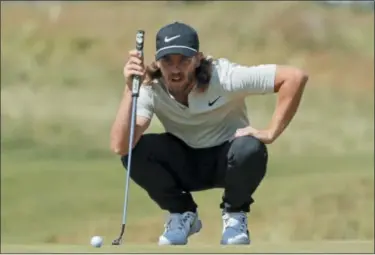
(127, 92)
(272, 133)
(276, 130)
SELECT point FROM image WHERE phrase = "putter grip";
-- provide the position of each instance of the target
(139, 46)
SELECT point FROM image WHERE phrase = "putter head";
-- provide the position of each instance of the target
(116, 241)
(119, 239)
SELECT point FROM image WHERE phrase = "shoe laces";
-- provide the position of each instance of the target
(235, 221)
(178, 221)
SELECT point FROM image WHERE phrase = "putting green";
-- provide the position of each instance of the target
(263, 247)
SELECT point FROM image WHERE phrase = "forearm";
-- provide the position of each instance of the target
(121, 126)
(289, 98)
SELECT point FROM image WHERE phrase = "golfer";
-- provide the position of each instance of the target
(208, 141)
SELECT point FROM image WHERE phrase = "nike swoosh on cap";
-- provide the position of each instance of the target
(166, 39)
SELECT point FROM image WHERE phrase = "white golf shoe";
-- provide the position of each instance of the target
(235, 229)
(179, 227)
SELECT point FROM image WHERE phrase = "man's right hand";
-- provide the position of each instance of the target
(134, 66)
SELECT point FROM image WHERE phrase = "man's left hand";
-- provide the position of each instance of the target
(266, 136)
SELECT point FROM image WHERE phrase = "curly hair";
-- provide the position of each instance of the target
(203, 73)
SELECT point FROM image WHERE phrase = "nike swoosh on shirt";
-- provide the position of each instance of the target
(212, 102)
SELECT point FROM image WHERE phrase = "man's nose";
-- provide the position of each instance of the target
(175, 70)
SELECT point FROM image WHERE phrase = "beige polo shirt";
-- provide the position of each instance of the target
(213, 116)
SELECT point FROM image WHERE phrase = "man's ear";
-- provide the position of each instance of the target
(158, 64)
(199, 58)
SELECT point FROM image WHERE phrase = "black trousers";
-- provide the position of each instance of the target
(169, 170)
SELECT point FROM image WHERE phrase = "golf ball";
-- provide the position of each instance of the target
(96, 241)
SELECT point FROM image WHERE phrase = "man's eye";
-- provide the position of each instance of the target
(167, 60)
(185, 60)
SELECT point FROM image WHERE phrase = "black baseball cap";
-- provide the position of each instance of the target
(176, 38)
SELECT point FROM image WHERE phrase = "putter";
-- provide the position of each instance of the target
(135, 94)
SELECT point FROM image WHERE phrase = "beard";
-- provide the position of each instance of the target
(180, 88)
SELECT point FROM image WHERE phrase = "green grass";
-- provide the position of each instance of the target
(68, 201)
(61, 85)
(300, 247)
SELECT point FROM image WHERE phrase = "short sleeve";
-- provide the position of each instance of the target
(145, 103)
(237, 78)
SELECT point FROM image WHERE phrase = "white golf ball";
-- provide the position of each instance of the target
(97, 241)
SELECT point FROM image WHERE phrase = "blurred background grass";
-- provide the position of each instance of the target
(61, 83)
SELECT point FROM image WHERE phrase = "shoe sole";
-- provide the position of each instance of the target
(236, 242)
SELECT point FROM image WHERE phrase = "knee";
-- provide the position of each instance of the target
(142, 150)
(248, 148)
